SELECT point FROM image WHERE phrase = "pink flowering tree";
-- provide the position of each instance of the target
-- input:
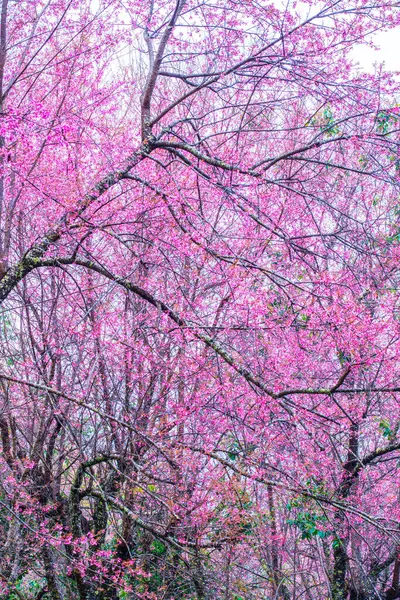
(199, 326)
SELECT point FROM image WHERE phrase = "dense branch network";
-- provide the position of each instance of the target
(199, 326)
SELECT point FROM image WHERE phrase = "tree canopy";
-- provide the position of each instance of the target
(199, 322)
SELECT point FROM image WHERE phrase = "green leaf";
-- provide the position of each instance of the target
(336, 543)
(384, 426)
(158, 548)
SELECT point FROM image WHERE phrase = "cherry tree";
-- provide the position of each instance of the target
(199, 245)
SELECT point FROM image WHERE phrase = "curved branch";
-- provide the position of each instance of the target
(155, 65)
(209, 341)
(32, 257)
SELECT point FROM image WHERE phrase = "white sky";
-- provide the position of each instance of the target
(389, 52)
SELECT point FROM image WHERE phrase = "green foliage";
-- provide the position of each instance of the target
(385, 428)
(325, 121)
(158, 548)
(308, 524)
(233, 451)
(23, 585)
(394, 238)
(308, 518)
(344, 358)
(329, 127)
(385, 120)
(394, 219)
(246, 527)
(336, 543)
